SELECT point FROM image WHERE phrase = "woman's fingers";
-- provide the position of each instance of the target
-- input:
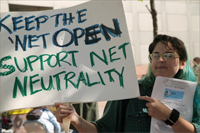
(62, 111)
(156, 108)
(149, 99)
(57, 104)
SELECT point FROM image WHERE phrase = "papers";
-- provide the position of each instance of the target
(174, 93)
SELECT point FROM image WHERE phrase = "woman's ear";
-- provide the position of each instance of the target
(182, 65)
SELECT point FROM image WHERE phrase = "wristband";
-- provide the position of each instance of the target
(173, 117)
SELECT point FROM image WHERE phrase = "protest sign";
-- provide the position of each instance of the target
(78, 54)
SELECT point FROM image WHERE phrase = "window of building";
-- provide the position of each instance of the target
(21, 8)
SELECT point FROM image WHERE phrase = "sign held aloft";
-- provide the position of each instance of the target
(78, 54)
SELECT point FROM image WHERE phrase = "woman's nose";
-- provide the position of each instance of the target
(161, 59)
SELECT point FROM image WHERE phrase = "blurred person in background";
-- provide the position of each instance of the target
(196, 62)
(47, 119)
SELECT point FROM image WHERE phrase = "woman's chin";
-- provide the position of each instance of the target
(162, 75)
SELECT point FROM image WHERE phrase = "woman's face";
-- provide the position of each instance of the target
(197, 61)
(163, 67)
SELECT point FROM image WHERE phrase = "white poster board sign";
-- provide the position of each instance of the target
(78, 54)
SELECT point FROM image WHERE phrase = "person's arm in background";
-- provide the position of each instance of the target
(53, 120)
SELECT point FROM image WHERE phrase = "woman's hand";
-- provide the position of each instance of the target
(79, 123)
(63, 111)
(156, 109)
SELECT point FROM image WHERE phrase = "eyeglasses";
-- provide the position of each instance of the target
(166, 56)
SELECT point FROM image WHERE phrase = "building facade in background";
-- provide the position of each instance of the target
(178, 18)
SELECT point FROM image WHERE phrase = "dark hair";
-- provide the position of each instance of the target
(196, 58)
(176, 43)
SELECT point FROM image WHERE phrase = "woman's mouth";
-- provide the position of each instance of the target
(161, 67)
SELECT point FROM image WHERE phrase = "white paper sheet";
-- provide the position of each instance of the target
(174, 93)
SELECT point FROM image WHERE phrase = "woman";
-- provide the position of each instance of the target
(168, 58)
